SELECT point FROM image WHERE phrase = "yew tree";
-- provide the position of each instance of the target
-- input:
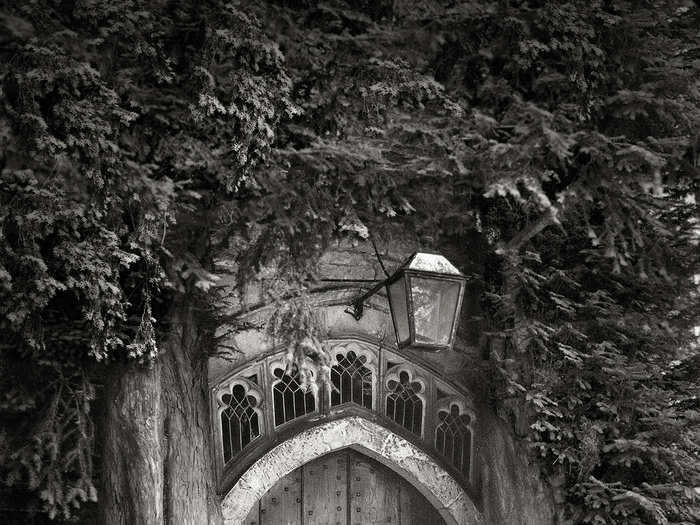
(551, 147)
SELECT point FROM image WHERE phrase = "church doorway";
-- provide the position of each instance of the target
(343, 488)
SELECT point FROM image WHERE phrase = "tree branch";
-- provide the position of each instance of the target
(527, 233)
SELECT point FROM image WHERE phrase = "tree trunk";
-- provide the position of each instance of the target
(157, 463)
(131, 491)
(190, 486)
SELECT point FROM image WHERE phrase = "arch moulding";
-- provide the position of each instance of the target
(367, 437)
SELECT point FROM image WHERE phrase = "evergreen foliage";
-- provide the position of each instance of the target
(139, 138)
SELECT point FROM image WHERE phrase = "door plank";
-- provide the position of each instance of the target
(344, 488)
(374, 493)
(415, 509)
(282, 503)
(325, 490)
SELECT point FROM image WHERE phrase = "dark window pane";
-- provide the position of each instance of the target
(352, 380)
(290, 400)
(239, 422)
(453, 439)
(403, 404)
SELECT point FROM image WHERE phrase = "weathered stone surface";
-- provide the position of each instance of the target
(511, 486)
(353, 260)
(367, 437)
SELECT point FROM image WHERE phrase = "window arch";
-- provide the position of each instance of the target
(405, 398)
(352, 377)
(240, 416)
(453, 435)
(289, 399)
(257, 405)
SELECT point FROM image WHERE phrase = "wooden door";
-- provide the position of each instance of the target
(343, 488)
(325, 491)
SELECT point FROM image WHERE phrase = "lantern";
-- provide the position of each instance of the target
(425, 297)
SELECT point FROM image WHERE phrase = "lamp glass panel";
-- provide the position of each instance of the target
(397, 299)
(434, 305)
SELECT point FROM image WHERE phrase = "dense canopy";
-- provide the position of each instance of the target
(140, 139)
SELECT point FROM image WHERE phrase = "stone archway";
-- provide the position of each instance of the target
(374, 440)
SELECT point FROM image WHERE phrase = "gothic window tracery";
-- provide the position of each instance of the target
(240, 418)
(351, 380)
(290, 399)
(453, 436)
(404, 400)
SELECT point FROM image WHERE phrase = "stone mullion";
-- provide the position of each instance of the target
(380, 406)
(323, 400)
(430, 414)
(268, 398)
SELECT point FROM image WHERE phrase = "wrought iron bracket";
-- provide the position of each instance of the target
(357, 305)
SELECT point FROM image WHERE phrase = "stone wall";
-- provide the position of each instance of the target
(511, 491)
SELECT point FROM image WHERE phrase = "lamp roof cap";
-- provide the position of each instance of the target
(430, 262)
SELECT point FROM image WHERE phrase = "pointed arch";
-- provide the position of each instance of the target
(369, 438)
